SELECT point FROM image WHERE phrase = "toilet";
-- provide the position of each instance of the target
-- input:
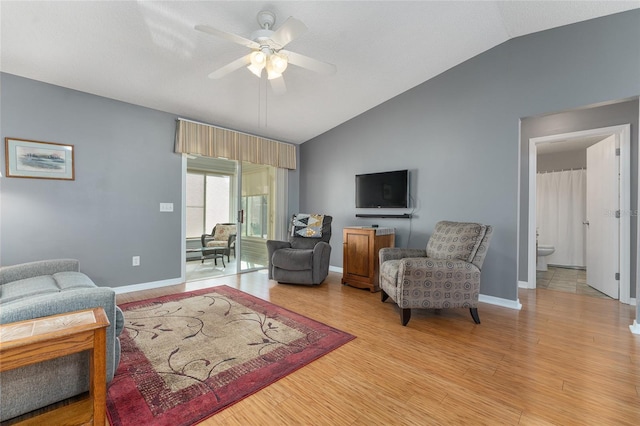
(543, 252)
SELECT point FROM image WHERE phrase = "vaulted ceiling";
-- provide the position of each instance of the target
(148, 52)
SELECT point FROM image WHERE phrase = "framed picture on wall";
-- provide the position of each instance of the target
(38, 160)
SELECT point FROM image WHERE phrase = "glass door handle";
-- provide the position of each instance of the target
(240, 216)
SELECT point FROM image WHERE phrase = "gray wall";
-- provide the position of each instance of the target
(573, 121)
(124, 167)
(458, 133)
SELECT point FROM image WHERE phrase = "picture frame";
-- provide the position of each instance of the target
(39, 160)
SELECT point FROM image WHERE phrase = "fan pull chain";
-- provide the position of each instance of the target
(262, 102)
(263, 109)
(266, 104)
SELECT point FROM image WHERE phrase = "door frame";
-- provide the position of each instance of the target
(623, 134)
(280, 198)
(183, 211)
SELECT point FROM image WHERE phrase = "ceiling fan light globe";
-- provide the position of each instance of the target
(258, 59)
(256, 70)
(277, 63)
(271, 74)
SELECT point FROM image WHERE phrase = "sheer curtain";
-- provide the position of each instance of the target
(560, 210)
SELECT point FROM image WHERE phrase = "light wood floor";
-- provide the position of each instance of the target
(563, 359)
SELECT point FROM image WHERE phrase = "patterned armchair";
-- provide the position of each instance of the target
(445, 275)
(304, 259)
(223, 235)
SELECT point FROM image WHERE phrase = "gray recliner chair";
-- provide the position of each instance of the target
(304, 259)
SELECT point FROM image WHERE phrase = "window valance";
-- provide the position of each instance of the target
(212, 141)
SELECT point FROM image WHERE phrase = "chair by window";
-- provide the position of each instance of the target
(445, 275)
(304, 259)
(223, 236)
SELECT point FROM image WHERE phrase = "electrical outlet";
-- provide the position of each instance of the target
(135, 261)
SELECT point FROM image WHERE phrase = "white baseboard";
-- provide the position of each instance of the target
(635, 327)
(632, 301)
(523, 284)
(147, 286)
(513, 304)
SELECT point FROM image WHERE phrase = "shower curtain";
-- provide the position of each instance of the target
(561, 204)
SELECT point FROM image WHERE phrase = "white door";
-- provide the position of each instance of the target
(602, 224)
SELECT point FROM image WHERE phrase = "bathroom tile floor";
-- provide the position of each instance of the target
(567, 280)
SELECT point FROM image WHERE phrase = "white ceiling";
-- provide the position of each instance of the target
(148, 53)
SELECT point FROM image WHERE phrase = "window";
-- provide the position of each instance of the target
(208, 197)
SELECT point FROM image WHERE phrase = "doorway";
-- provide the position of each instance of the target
(210, 199)
(221, 191)
(621, 134)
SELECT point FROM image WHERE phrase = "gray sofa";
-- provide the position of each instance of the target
(43, 288)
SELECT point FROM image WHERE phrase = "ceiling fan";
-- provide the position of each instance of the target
(267, 50)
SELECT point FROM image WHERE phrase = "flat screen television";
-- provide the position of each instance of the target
(383, 190)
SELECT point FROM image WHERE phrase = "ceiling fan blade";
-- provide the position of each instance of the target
(228, 36)
(309, 63)
(291, 29)
(230, 67)
(278, 86)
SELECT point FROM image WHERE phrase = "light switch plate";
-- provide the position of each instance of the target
(166, 207)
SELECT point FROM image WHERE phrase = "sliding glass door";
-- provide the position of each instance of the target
(223, 191)
(211, 199)
(257, 207)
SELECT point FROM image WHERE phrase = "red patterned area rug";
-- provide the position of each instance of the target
(187, 356)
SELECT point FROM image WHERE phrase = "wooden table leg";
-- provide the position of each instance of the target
(98, 380)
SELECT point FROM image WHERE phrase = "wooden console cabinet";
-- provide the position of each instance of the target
(360, 255)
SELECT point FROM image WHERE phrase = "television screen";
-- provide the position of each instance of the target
(380, 190)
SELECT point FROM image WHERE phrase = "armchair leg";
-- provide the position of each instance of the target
(474, 315)
(383, 296)
(405, 316)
